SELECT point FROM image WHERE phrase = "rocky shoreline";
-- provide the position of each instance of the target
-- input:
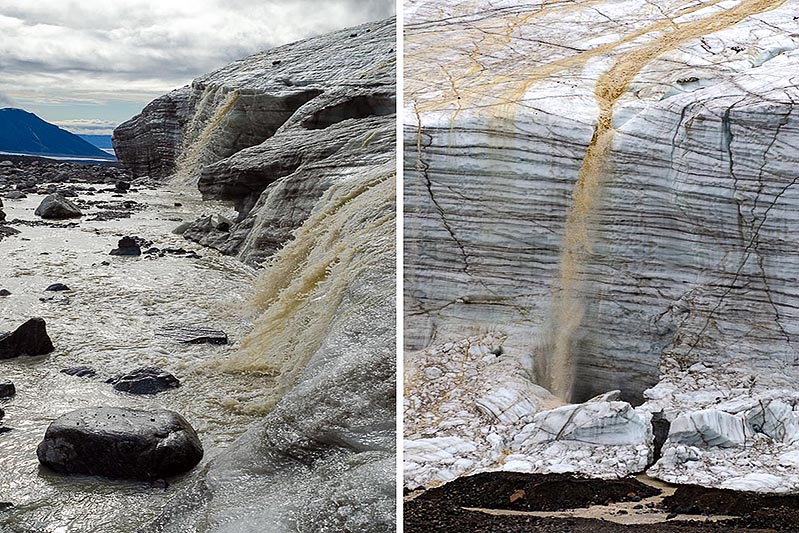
(141, 437)
(96, 441)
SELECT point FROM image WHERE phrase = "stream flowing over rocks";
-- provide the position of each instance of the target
(601, 196)
(285, 372)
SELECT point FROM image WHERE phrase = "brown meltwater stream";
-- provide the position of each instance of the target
(610, 87)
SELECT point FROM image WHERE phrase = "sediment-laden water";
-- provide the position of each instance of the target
(110, 321)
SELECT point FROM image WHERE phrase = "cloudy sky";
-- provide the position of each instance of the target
(88, 65)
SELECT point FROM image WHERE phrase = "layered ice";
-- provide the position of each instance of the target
(611, 188)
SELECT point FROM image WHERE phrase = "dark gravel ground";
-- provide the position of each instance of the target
(780, 512)
(537, 492)
(443, 509)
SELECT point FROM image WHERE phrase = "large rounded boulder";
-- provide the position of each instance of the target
(120, 443)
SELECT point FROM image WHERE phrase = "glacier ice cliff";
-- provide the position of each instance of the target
(270, 133)
(611, 187)
(301, 140)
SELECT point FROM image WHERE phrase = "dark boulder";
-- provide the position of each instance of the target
(127, 246)
(57, 287)
(79, 371)
(29, 339)
(146, 380)
(6, 231)
(120, 443)
(7, 389)
(56, 206)
(122, 186)
(5, 292)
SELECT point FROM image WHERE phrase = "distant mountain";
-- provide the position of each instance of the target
(100, 141)
(25, 133)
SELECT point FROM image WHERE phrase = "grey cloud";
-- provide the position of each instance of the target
(88, 126)
(95, 49)
(5, 101)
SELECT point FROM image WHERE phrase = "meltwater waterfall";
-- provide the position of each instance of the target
(200, 135)
(600, 209)
(576, 247)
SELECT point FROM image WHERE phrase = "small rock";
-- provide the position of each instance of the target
(7, 389)
(120, 443)
(127, 246)
(57, 287)
(5, 292)
(16, 195)
(57, 207)
(146, 380)
(122, 186)
(29, 339)
(6, 231)
(79, 371)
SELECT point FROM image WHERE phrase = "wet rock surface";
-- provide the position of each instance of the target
(145, 380)
(120, 443)
(28, 339)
